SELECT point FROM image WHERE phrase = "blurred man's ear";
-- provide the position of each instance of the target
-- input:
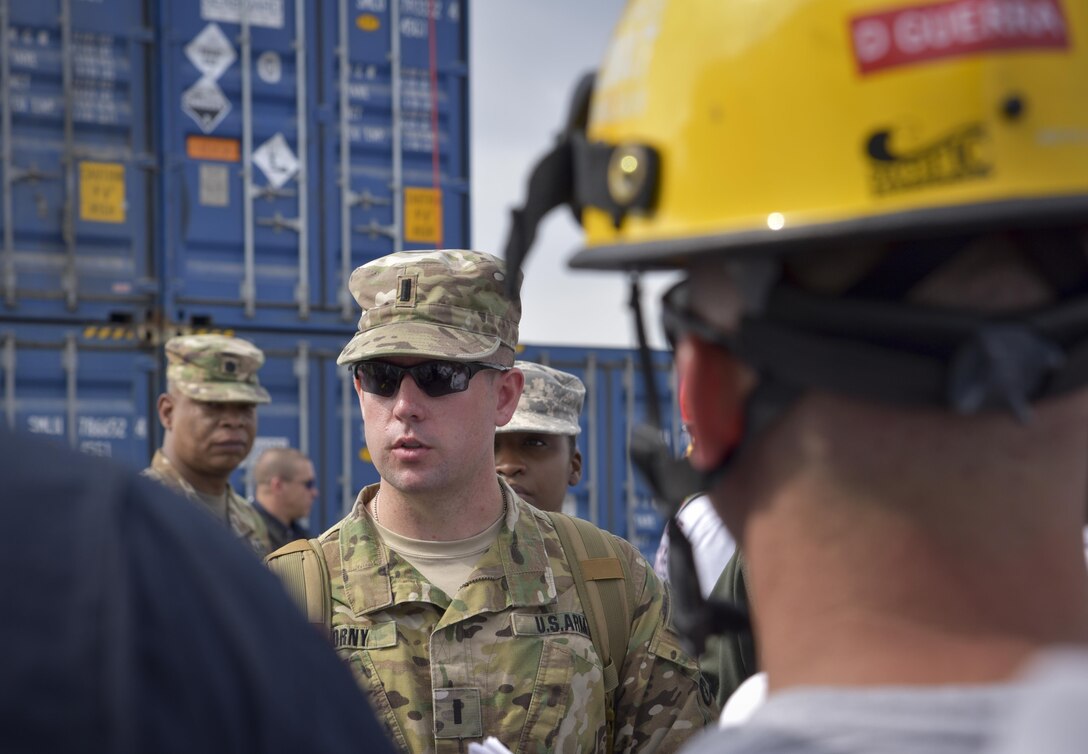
(717, 385)
(165, 406)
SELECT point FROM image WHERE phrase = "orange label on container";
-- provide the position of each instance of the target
(423, 215)
(102, 192)
(213, 148)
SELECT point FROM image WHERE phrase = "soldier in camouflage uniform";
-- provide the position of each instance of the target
(209, 418)
(451, 598)
(536, 452)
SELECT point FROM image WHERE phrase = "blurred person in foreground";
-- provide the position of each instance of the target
(135, 623)
(879, 209)
(286, 487)
(452, 599)
(209, 420)
(536, 452)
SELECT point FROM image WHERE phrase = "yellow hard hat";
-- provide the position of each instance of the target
(737, 125)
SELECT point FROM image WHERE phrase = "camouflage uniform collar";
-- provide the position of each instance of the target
(517, 557)
(161, 464)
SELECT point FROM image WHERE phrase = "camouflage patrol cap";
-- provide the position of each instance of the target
(444, 304)
(550, 403)
(215, 368)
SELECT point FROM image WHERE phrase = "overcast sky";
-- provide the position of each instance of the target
(526, 56)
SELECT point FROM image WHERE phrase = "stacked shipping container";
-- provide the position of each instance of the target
(188, 165)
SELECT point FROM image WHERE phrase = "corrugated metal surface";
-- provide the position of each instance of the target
(261, 187)
(77, 158)
(91, 387)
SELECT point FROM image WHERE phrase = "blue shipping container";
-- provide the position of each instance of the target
(300, 142)
(77, 158)
(92, 387)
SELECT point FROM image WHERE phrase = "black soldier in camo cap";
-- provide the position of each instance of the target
(209, 418)
(537, 451)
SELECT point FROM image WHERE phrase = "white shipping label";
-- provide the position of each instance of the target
(270, 67)
(211, 52)
(267, 13)
(276, 160)
(214, 186)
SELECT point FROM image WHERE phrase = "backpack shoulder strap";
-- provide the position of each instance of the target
(302, 568)
(604, 589)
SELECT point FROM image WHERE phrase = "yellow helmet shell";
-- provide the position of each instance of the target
(779, 124)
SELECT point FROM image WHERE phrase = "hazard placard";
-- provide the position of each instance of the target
(423, 215)
(211, 52)
(276, 161)
(102, 192)
(205, 103)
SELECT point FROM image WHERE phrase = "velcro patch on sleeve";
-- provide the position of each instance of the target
(457, 713)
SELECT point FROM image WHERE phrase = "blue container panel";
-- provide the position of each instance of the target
(314, 409)
(371, 127)
(92, 387)
(205, 188)
(205, 224)
(80, 178)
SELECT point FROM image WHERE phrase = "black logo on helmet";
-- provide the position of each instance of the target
(952, 158)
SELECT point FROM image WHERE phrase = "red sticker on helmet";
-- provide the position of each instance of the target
(920, 33)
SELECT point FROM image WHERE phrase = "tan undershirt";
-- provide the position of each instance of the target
(447, 565)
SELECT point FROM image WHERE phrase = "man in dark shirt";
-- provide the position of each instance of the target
(286, 490)
(134, 622)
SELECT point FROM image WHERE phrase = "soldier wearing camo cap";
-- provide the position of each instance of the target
(209, 419)
(536, 452)
(451, 597)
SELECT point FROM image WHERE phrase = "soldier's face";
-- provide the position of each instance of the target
(423, 445)
(210, 437)
(539, 467)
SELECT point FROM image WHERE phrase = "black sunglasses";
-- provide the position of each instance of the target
(435, 378)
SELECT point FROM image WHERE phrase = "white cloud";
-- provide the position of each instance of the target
(527, 56)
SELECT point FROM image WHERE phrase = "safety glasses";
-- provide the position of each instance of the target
(435, 378)
(679, 319)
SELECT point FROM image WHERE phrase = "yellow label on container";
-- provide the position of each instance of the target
(102, 192)
(368, 22)
(423, 215)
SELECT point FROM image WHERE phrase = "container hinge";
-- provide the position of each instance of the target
(375, 229)
(271, 192)
(366, 200)
(278, 222)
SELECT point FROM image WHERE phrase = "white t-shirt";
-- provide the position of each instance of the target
(711, 543)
